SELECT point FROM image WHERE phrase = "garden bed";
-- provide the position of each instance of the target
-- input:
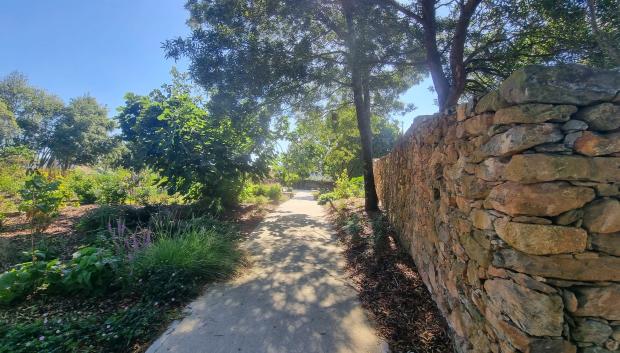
(122, 317)
(389, 286)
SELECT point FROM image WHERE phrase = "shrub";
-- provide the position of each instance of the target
(345, 188)
(99, 218)
(325, 198)
(112, 189)
(179, 261)
(21, 280)
(260, 193)
(91, 270)
(84, 186)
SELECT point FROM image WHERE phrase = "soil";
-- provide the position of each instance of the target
(390, 288)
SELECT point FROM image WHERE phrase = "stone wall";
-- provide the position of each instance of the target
(510, 208)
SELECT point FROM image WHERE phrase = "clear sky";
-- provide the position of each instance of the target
(106, 48)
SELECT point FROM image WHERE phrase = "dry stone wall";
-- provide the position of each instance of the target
(511, 210)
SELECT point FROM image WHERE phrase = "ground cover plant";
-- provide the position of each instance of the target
(117, 292)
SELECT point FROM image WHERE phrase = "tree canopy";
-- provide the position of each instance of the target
(201, 155)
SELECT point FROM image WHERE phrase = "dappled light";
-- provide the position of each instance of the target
(295, 298)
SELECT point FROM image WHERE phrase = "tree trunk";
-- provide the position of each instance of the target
(433, 57)
(361, 98)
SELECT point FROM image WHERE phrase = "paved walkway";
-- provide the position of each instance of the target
(294, 299)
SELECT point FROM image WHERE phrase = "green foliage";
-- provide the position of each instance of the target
(21, 280)
(327, 144)
(113, 332)
(322, 199)
(181, 259)
(345, 188)
(91, 270)
(82, 133)
(41, 200)
(83, 185)
(200, 155)
(260, 193)
(99, 218)
(112, 188)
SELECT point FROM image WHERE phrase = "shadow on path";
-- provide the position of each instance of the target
(295, 298)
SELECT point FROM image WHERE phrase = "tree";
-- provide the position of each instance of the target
(34, 109)
(82, 133)
(199, 155)
(470, 45)
(292, 55)
(8, 125)
(328, 143)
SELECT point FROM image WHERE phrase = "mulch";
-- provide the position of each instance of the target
(391, 290)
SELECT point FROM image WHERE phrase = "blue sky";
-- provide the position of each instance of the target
(106, 48)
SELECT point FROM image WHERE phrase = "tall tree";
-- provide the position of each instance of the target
(472, 44)
(82, 134)
(200, 155)
(327, 143)
(8, 125)
(292, 55)
(35, 110)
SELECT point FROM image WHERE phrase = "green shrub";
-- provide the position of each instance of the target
(91, 270)
(99, 218)
(260, 193)
(112, 189)
(21, 280)
(325, 198)
(179, 261)
(84, 186)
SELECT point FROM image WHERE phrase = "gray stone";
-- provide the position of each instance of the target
(561, 84)
(533, 113)
(535, 313)
(542, 199)
(520, 138)
(569, 217)
(538, 239)
(574, 125)
(608, 243)
(553, 148)
(598, 301)
(602, 216)
(570, 138)
(591, 331)
(490, 102)
(605, 116)
(538, 167)
(491, 169)
(602, 268)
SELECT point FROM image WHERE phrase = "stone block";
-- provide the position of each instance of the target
(491, 169)
(604, 116)
(537, 167)
(592, 331)
(602, 268)
(593, 144)
(598, 301)
(490, 102)
(533, 113)
(562, 84)
(481, 219)
(535, 313)
(540, 239)
(602, 216)
(607, 243)
(543, 199)
(520, 138)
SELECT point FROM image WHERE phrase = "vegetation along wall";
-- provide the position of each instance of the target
(510, 208)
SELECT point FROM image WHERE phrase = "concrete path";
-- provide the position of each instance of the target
(295, 298)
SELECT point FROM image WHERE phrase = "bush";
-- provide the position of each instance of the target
(99, 218)
(325, 198)
(21, 280)
(112, 188)
(180, 260)
(91, 270)
(260, 193)
(84, 186)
